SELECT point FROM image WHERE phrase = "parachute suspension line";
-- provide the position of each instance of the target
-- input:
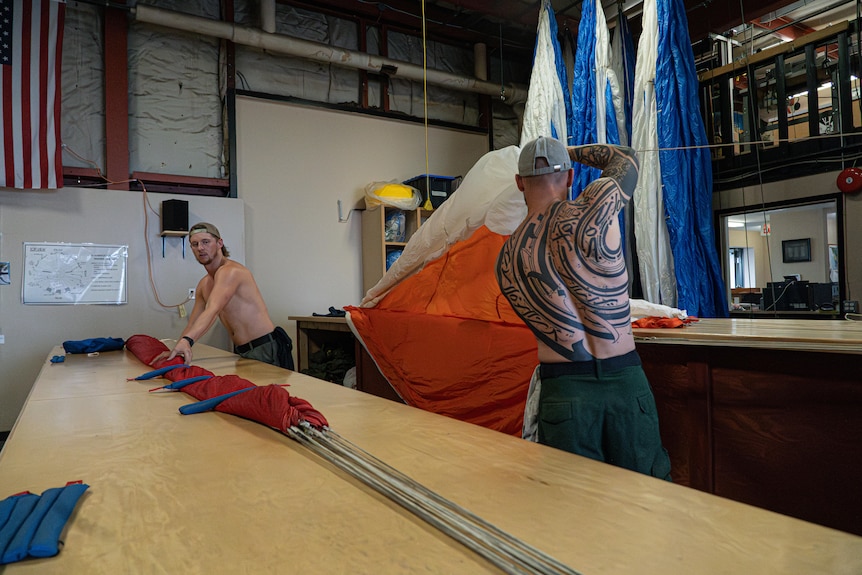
(839, 120)
(859, 79)
(858, 52)
(840, 135)
(503, 550)
(723, 258)
(502, 85)
(755, 125)
(147, 209)
(839, 117)
(427, 205)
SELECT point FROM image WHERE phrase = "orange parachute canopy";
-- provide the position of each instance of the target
(437, 325)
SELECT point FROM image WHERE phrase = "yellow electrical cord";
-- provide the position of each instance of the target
(428, 206)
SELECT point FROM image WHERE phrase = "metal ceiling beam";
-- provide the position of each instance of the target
(324, 53)
(486, 21)
(456, 25)
(719, 16)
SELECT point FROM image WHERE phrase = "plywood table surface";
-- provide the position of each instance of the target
(214, 493)
(824, 335)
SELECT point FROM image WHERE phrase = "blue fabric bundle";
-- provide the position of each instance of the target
(211, 403)
(30, 525)
(159, 372)
(184, 382)
(93, 345)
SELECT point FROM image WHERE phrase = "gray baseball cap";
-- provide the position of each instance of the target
(204, 227)
(551, 149)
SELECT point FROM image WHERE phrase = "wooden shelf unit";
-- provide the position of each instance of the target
(375, 248)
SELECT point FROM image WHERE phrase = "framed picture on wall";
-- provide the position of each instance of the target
(796, 250)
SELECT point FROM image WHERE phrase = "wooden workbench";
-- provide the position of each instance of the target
(213, 493)
(764, 411)
(314, 332)
(839, 336)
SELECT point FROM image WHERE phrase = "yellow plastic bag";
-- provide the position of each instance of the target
(392, 194)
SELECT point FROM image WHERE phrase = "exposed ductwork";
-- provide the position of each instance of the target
(267, 16)
(323, 53)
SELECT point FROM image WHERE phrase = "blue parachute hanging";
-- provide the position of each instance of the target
(686, 171)
(559, 63)
(582, 122)
(612, 134)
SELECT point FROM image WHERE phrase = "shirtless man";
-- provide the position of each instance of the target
(228, 292)
(563, 270)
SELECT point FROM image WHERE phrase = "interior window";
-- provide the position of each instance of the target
(783, 258)
(797, 96)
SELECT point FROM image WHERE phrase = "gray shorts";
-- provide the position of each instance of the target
(274, 348)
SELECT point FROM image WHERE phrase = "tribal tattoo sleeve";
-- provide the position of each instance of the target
(564, 271)
(618, 163)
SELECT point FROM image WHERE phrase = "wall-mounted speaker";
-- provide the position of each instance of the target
(175, 216)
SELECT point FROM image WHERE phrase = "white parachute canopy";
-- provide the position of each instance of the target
(653, 243)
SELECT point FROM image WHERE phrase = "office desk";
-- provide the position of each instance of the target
(213, 493)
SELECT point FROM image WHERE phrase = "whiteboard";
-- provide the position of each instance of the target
(70, 274)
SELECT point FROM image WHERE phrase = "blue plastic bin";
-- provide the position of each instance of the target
(441, 187)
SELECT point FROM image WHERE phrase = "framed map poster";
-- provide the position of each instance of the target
(70, 274)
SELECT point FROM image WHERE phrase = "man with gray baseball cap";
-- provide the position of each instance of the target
(229, 293)
(564, 272)
(552, 151)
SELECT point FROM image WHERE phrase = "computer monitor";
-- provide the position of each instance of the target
(820, 297)
(786, 296)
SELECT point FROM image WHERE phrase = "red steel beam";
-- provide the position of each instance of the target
(116, 99)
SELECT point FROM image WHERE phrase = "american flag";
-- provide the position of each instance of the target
(31, 46)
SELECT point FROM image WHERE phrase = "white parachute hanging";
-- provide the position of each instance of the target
(545, 112)
(653, 243)
(606, 79)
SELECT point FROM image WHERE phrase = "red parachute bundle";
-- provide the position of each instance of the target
(270, 405)
(147, 348)
(181, 373)
(216, 385)
(651, 322)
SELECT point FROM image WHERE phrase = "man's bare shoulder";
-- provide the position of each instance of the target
(231, 270)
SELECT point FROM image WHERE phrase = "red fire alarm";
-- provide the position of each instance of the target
(850, 180)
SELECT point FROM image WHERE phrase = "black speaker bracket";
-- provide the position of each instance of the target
(169, 234)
